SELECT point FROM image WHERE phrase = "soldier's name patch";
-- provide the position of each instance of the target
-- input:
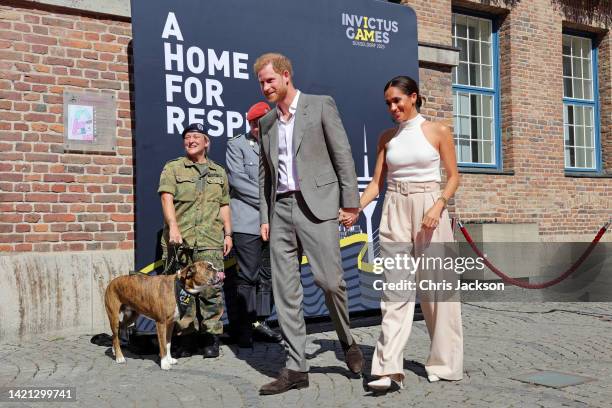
(215, 180)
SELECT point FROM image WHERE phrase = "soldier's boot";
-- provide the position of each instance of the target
(211, 350)
(186, 346)
(264, 332)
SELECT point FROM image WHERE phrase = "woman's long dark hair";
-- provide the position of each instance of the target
(408, 86)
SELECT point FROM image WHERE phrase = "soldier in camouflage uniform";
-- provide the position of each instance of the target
(195, 200)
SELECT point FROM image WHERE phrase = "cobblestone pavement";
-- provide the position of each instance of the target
(501, 341)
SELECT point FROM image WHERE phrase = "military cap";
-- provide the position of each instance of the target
(258, 110)
(194, 127)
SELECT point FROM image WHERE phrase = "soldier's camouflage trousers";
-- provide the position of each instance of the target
(205, 313)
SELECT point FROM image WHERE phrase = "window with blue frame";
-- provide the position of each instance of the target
(475, 92)
(580, 108)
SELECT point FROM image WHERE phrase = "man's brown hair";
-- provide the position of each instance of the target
(279, 62)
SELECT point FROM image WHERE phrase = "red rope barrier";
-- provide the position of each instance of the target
(511, 281)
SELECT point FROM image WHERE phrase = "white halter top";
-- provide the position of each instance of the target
(410, 156)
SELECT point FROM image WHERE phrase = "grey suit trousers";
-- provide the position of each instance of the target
(295, 231)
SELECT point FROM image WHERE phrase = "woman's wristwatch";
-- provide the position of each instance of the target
(444, 200)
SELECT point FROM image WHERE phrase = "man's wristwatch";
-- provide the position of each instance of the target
(228, 234)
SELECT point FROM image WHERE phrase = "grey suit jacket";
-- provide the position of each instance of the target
(325, 167)
(242, 163)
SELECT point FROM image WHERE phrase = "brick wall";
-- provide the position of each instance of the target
(436, 86)
(433, 20)
(51, 200)
(506, 46)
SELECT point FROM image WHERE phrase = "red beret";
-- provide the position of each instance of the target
(257, 111)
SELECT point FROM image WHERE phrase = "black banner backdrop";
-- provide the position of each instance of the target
(193, 62)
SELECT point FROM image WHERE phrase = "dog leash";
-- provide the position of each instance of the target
(173, 265)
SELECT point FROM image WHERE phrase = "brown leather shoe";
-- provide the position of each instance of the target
(354, 358)
(287, 380)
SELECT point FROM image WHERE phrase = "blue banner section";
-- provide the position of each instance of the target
(193, 62)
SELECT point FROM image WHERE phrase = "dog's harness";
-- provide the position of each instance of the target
(183, 297)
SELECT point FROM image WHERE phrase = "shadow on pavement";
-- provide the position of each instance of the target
(271, 366)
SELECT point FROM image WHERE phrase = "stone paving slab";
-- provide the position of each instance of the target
(502, 340)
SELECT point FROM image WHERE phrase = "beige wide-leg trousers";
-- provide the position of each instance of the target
(400, 227)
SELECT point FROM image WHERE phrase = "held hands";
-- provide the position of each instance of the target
(348, 216)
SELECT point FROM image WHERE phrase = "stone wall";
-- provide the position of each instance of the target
(55, 294)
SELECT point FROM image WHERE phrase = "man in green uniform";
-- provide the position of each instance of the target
(195, 200)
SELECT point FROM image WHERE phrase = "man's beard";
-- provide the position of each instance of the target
(279, 95)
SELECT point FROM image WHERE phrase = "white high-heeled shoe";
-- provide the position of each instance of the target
(384, 383)
(433, 378)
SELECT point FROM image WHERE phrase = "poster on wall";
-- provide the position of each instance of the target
(90, 123)
(193, 63)
(80, 122)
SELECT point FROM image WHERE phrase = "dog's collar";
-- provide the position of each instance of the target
(184, 299)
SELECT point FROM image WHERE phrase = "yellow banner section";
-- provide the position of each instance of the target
(344, 242)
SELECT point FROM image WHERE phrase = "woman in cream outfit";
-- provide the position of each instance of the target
(414, 216)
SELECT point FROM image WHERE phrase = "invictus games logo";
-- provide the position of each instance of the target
(368, 31)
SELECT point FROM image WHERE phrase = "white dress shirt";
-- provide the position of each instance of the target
(287, 171)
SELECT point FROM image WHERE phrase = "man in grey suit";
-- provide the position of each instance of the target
(253, 300)
(306, 178)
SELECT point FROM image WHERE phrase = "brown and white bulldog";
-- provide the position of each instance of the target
(155, 297)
